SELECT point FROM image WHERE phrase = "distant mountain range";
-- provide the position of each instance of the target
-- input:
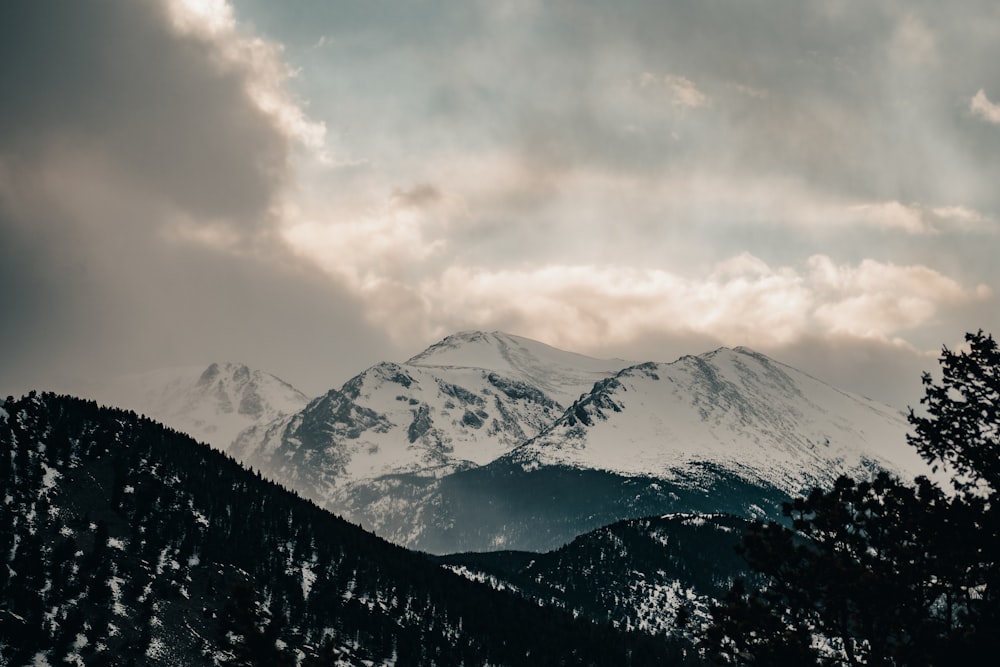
(600, 500)
(492, 441)
(460, 404)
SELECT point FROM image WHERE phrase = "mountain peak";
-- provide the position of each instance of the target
(464, 348)
(560, 374)
(734, 408)
(739, 350)
(500, 351)
(212, 403)
(215, 370)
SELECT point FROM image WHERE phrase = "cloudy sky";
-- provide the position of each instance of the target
(314, 186)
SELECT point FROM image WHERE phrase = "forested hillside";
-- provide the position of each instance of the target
(660, 575)
(128, 543)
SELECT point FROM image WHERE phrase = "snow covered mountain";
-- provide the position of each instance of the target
(478, 442)
(460, 404)
(559, 374)
(735, 409)
(212, 404)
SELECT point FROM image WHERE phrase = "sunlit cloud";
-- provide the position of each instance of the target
(961, 216)
(366, 250)
(574, 172)
(981, 106)
(743, 300)
(891, 215)
(385, 245)
(919, 218)
(879, 300)
(685, 94)
(267, 72)
(208, 18)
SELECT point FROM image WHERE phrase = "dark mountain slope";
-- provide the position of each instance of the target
(658, 574)
(505, 506)
(127, 543)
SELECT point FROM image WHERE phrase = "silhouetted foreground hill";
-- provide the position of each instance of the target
(659, 574)
(127, 543)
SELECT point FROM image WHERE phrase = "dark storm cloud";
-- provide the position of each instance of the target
(112, 79)
(120, 139)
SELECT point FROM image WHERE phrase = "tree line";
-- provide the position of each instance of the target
(885, 572)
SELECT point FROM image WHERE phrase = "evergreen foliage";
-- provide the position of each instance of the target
(637, 573)
(123, 542)
(882, 572)
(961, 430)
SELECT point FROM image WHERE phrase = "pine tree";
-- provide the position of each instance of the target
(961, 430)
(883, 572)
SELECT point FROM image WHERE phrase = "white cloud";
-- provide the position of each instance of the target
(416, 275)
(961, 216)
(916, 218)
(981, 106)
(207, 18)
(685, 94)
(383, 246)
(267, 84)
(365, 251)
(878, 300)
(743, 300)
(891, 215)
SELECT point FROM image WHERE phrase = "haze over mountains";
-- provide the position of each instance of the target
(213, 404)
(489, 440)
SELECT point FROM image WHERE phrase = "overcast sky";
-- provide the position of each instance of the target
(310, 187)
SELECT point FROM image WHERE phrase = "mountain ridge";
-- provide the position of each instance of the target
(734, 398)
(406, 448)
(560, 373)
(432, 415)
